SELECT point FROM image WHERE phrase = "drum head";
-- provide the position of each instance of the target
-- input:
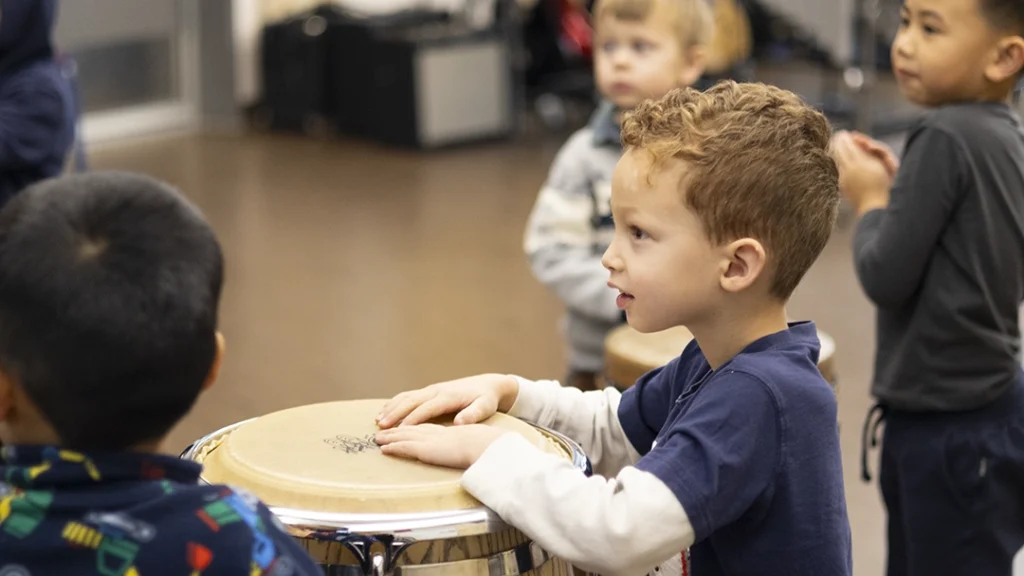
(323, 457)
(650, 349)
(828, 347)
(630, 354)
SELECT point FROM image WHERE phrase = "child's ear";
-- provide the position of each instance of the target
(218, 356)
(1009, 60)
(745, 260)
(693, 68)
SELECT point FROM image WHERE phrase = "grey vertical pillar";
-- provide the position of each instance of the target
(217, 107)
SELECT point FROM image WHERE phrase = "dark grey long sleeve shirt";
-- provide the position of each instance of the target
(944, 263)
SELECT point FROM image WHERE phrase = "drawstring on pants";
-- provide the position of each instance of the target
(874, 419)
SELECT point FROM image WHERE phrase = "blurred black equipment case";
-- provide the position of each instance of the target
(426, 84)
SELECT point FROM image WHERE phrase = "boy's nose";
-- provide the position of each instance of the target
(902, 45)
(610, 260)
(621, 59)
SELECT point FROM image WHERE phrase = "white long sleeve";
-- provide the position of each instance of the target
(589, 418)
(624, 526)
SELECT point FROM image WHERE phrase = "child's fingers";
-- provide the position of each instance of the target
(864, 140)
(878, 149)
(439, 405)
(406, 434)
(406, 449)
(399, 407)
(479, 410)
(843, 148)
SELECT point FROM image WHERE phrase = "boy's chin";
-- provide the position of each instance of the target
(646, 325)
(921, 98)
(625, 102)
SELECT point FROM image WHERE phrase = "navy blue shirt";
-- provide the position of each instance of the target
(129, 514)
(37, 115)
(751, 451)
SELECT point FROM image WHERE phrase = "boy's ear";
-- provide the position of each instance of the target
(218, 357)
(696, 62)
(745, 261)
(1009, 60)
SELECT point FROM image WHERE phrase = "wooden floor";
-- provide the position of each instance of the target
(358, 272)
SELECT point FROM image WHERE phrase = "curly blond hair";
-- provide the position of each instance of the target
(758, 166)
(693, 20)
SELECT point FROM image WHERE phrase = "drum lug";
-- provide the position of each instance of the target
(524, 558)
(372, 563)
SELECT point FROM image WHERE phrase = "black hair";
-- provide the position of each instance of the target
(1004, 14)
(109, 289)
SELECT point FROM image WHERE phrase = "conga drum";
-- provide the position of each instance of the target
(358, 512)
(629, 354)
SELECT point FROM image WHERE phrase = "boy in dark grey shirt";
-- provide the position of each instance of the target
(943, 261)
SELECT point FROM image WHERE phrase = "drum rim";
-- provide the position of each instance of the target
(336, 526)
(828, 345)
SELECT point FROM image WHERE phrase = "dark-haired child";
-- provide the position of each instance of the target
(109, 289)
(939, 249)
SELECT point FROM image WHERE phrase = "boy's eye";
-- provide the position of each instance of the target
(904, 21)
(637, 233)
(929, 29)
(608, 46)
(641, 46)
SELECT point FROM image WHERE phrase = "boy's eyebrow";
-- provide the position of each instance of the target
(924, 13)
(931, 14)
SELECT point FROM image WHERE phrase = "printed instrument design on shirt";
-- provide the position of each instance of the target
(22, 511)
(231, 506)
(116, 537)
(52, 456)
(119, 542)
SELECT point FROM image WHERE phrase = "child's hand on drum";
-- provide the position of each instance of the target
(475, 398)
(451, 446)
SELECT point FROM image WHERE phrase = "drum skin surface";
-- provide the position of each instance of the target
(319, 470)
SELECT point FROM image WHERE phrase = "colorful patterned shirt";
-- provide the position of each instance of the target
(132, 514)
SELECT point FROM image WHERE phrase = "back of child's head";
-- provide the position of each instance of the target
(109, 290)
(757, 166)
(692, 20)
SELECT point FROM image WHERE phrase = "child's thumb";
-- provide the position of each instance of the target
(472, 414)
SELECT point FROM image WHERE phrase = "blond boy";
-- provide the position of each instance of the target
(722, 202)
(643, 49)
